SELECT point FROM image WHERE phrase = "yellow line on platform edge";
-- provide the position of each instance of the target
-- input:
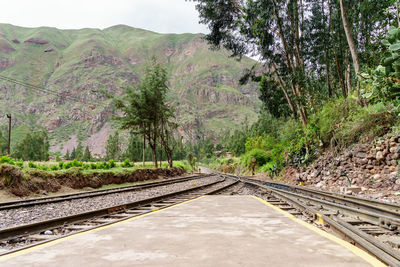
(355, 250)
(52, 243)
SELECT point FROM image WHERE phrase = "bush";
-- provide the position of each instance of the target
(5, 159)
(76, 163)
(111, 164)
(67, 165)
(44, 167)
(260, 155)
(127, 164)
(54, 168)
(20, 163)
(32, 165)
(180, 164)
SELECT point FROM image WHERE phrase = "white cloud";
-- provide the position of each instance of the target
(165, 16)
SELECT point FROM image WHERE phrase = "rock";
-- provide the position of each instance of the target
(350, 190)
(320, 184)
(379, 156)
(397, 149)
(398, 181)
(348, 154)
(392, 149)
(316, 173)
(393, 144)
(369, 167)
(48, 232)
(386, 171)
(376, 177)
(392, 168)
(385, 152)
(361, 155)
(395, 156)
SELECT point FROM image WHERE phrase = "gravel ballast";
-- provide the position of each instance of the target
(27, 215)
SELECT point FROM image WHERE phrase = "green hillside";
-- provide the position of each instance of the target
(78, 63)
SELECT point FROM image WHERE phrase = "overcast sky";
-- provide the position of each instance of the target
(164, 16)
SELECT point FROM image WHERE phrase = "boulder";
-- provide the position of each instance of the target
(379, 156)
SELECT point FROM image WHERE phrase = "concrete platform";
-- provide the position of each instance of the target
(209, 231)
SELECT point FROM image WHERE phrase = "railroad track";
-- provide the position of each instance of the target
(45, 200)
(369, 224)
(24, 236)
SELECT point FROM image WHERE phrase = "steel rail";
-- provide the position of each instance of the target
(362, 240)
(54, 199)
(16, 231)
(366, 209)
(389, 208)
(389, 222)
(96, 214)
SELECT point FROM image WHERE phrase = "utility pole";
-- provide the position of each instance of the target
(9, 134)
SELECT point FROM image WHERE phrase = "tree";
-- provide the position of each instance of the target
(67, 156)
(350, 41)
(79, 151)
(86, 155)
(73, 154)
(145, 110)
(166, 134)
(3, 144)
(304, 46)
(35, 146)
(112, 147)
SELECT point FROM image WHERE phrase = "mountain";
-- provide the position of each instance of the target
(73, 66)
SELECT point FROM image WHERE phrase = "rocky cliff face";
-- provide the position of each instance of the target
(78, 64)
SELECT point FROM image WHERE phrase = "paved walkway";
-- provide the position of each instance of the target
(210, 231)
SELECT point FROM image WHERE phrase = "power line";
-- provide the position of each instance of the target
(43, 90)
(35, 87)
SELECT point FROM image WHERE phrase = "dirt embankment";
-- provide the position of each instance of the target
(15, 181)
(371, 166)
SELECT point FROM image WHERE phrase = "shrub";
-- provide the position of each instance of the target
(44, 167)
(86, 166)
(32, 165)
(54, 168)
(93, 166)
(60, 164)
(127, 164)
(20, 163)
(67, 165)
(111, 163)
(180, 164)
(5, 159)
(260, 155)
(76, 163)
